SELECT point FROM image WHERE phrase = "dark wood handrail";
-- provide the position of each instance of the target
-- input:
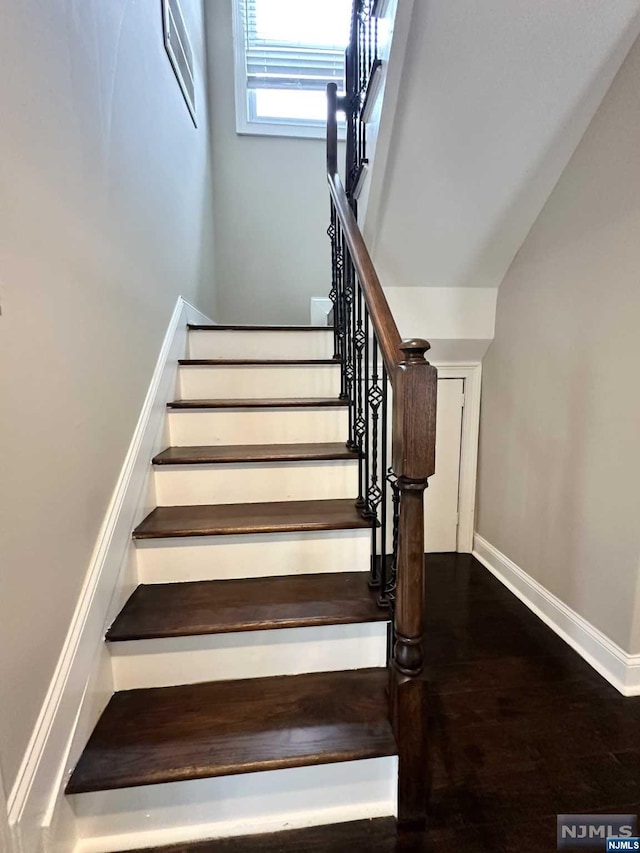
(384, 325)
(413, 429)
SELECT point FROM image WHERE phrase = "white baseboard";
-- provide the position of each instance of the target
(622, 670)
(81, 683)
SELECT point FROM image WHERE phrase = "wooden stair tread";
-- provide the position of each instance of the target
(195, 327)
(377, 835)
(255, 362)
(196, 731)
(266, 403)
(272, 517)
(218, 607)
(254, 453)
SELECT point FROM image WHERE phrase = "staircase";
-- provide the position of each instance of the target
(250, 662)
(268, 666)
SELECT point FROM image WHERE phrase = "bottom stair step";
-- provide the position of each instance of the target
(369, 836)
(171, 734)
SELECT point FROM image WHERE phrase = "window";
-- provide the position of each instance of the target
(286, 53)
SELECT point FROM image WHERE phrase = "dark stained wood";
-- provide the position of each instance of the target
(273, 517)
(255, 362)
(414, 383)
(170, 734)
(272, 403)
(409, 713)
(254, 453)
(218, 607)
(521, 729)
(249, 328)
(414, 413)
(414, 416)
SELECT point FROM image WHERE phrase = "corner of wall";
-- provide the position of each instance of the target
(620, 668)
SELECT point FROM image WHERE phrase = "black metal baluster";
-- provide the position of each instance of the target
(333, 293)
(366, 413)
(382, 597)
(374, 492)
(340, 265)
(362, 48)
(375, 40)
(362, 84)
(390, 592)
(369, 43)
(348, 351)
(360, 422)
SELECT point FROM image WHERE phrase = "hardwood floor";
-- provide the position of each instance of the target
(522, 729)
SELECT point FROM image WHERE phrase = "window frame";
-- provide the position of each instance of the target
(247, 126)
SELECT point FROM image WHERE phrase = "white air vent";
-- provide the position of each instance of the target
(178, 46)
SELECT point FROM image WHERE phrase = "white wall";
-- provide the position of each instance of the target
(458, 322)
(494, 97)
(271, 205)
(559, 450)
(5, 835)
(105, 217)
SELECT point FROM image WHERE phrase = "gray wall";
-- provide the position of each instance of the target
(272, 205)
(560, 430)
(105, 217)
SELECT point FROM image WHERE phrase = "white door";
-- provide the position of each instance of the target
(441, 498)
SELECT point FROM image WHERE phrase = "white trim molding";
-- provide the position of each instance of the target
(471, 374)
(81, 684)
(6, 841)
(620, 669)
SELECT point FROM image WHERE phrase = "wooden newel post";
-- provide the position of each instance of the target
(414, 434)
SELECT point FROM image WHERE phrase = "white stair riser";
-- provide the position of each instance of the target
(252, 344)
(258, 426)
(249, 803)
(203, 382)
(185, 485)
(252, 556)
(247, 654)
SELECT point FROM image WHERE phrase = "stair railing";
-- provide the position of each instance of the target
(391, 390)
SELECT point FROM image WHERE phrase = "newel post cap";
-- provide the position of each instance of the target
(414, 349)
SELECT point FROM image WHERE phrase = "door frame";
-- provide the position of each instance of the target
(471, 374)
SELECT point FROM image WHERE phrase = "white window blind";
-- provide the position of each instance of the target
(285, 51)
(290, 51)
